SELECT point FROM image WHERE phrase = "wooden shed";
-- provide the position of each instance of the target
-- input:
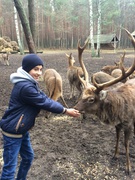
(107, 41)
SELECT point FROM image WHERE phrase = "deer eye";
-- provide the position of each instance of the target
(91, 100)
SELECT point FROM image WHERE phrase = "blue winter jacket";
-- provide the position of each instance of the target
(25, 103)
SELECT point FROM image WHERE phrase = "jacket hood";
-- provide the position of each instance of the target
(21, 75)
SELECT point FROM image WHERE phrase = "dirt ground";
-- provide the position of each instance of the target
(71, 148)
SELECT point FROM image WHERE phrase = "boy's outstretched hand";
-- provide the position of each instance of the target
(72, 112)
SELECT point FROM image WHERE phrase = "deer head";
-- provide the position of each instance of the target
(71, 59)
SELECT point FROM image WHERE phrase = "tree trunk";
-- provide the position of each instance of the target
(25, 25)
(32, 11)
(99, 29)
(17, 31)
(91, 29)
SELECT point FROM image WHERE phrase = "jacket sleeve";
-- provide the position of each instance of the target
(34, 97)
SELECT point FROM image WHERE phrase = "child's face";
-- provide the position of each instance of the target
(36, 72)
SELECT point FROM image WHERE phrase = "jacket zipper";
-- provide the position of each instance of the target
(19, 122)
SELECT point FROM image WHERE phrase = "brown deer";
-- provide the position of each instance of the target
(101, 77)
(114, 70)
(114, 104)
(109, 73)
(109, 68)
(5, 58)
(53, 83)
(72, 75)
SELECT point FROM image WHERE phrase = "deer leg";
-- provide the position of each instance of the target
(118, 130)
(63, 100)
(127, 133)
(71, 91)
(3, 61)
(7, 62)
(134, 128)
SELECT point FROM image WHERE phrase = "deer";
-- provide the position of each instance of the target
(108, 73)
(114, 70)
(109, 68)
(53, 83)
(5, 58)
(113, 103)
(101, 77)
(72, 75)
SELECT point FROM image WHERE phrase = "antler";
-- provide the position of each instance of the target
(116, 80)
(122, 57)
(131, 37)
(80, 51)
(124, 74)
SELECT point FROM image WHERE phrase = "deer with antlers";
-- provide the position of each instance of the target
(110, 68)
(113, 103)
(108, 73)
(114, 70)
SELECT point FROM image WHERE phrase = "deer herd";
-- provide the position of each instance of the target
(108, 94)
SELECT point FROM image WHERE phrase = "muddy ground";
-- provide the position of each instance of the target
(71, 148)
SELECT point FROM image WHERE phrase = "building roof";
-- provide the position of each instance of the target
(106, 38)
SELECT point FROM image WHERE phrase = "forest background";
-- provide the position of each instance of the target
(60, 23)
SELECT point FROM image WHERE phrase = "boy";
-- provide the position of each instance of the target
(25, 103)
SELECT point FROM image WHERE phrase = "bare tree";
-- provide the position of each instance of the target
(99, 29)
(91, 28)
(31, 7)
(17, 31)
(25, 25)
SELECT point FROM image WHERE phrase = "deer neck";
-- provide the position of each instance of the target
(70, 63)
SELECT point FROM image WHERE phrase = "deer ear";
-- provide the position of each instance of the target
(102, 94)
